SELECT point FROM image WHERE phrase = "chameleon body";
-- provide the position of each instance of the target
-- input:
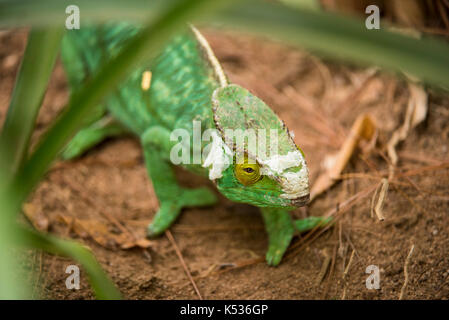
(186, 87)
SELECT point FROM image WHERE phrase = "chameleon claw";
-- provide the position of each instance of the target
(152, 232)
(164, 218)
(273, 258)
(170, 209)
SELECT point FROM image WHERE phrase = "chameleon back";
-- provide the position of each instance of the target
(182, 79)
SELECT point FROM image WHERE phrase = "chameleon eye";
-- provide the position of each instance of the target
(247, 173)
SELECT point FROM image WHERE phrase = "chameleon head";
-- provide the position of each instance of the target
(253, 158)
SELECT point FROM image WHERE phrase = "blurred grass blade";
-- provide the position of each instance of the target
(343, 37)
(31, 83)
(326, 33)
(20, 13)
(304, 4)
(12, 285)
(104, 288)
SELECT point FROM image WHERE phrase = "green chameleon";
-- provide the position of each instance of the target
(185, 90)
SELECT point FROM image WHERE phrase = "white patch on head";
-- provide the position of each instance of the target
(294, 184)
(219, 157)
(277, 163)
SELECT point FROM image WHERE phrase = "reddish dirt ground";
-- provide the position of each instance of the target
(111, 181)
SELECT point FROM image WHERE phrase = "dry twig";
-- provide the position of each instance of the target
(349, 264)
(377, 209)
(407, 262)
(324, 267)
(363, 127)
(415, 114)
(183, 263)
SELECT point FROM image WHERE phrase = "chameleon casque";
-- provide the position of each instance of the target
(188, 86)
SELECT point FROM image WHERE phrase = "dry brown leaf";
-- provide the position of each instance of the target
(141, 243)
(101, 234)
(37, 218)
(363, 128)
(415, 114)
(377, 209)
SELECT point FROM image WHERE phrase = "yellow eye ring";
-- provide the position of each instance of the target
(247, 173)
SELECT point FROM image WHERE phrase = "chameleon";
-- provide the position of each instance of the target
(185, 88)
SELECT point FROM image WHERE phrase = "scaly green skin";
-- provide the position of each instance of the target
(186, 85)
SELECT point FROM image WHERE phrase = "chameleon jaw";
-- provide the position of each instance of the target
(295, 184)
(300, 201)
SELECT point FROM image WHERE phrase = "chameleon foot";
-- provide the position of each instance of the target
(307, 224)
(276, 250)
(280, 229)
(170, 209)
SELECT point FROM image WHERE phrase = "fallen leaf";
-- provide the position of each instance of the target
(415, 114)
(37, 218)
(102, 234)
(363, 128)
(141, 243)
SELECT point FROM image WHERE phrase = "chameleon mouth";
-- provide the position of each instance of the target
(300, 201)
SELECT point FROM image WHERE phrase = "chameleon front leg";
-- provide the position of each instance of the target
(172, 197)
(281, 228)
(91, 135)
